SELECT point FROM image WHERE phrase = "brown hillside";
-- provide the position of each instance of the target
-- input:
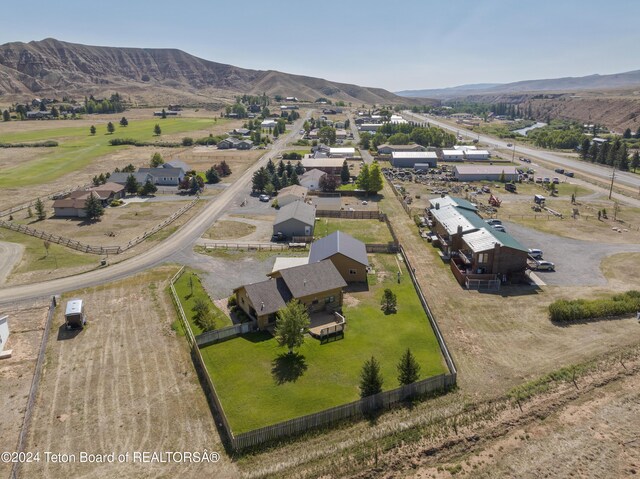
(52, 68)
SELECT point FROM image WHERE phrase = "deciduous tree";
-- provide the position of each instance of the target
(157, 130)
(156, 160)
(292, 324)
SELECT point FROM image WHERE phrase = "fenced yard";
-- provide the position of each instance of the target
(365, 230)
(323, 376)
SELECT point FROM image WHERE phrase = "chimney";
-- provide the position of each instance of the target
(261, 305)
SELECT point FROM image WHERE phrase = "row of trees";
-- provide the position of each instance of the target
(370, 178)
(403, 134)
(273, 178)
(113, 104)
(614, 154)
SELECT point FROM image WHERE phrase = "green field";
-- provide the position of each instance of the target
(258, 385)
(78, 148)
(187, 299)
(367, 231)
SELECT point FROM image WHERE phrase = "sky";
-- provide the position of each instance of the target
(396, 45)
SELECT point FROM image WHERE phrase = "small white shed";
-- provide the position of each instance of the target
(4, 332)
(74, 315)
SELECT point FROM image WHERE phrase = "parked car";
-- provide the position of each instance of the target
(510, 187)
(556, 180)
(264, 198)
(499, 228)
(279, 236)
(535, 253)
(545, 266)
(546, 180)
(539, 179)
(494, 222)
(559, 170)
(509, 145)
(569, 174)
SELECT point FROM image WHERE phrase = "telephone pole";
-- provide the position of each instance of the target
(613, 175)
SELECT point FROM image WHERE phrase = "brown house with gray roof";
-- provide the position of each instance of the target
(347, 254)
(318, 286)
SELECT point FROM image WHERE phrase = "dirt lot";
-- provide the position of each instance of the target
(201, 158)
(26, 325)
(118, 226)
(125, 383)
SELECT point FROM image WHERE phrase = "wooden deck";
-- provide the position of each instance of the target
(324, 320)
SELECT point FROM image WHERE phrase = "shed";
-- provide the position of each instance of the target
(485, 172)
(295, 219)
(474, 155)
(452, 155)
(74, 314)
(408, 159)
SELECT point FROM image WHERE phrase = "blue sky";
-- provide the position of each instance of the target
(406, 44)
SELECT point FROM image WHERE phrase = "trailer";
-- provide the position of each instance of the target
(74, 315)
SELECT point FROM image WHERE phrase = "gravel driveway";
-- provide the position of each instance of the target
(577, 262)
(10, 255)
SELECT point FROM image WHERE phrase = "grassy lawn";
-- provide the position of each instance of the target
(253, 371)
(188, 299)
(77, 148)
(368, 231)
(348, 187)
(229, 230)
(35, 257)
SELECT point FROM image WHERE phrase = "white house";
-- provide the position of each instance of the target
(342, 152)
(474, 155)
(266, 124)
(452, 155)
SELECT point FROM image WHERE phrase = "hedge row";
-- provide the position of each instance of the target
(207, 140)
(579, 309)
(38, 144)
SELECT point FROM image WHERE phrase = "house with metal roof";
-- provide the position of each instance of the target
(442, 201)
(121, 177)
(331, 166)
(345, 152)
(347, 254)
(177, 164)
(409, 159)
(316, 285)
(452, 155)
(451, 223)
(388, 149)
(476, 155)
(485, 173)
(295, 219)
(290, 194)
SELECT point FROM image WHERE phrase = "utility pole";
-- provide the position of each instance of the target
(513, 157)
(613, 175)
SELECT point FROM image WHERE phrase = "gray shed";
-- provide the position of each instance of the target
(295, 219)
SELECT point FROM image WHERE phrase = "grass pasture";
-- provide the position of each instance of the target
(367, 231)
(259, 385)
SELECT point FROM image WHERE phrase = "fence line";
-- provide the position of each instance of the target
(26, 421)
(432, 320)
(98, 250)
(253, 246)
(217, 335)
(345, 214)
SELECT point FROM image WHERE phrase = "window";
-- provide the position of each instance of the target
(315, 301)
(483, 258)
(353, 271)
(329, 299)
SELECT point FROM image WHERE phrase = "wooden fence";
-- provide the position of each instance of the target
(217, 335)
(345, 214)
(254, 246)
(98, 250)
(35, 382)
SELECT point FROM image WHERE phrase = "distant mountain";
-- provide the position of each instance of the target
(52, 67)
(439, 93)
(567, 84)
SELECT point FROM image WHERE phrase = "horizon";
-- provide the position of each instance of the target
(517, 51)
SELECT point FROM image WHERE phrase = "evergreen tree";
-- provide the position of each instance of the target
(92, 130)
(157, 130)
(289, 168)
(299, 169)
(603, 151)
(226, 170)
(345, 176)
(593, 152)
(280, 169)
(584, 149)
(271, 167)
(275, 182)
(212, 176)
(110, 128)
(164, 114)
(93, 207)
(389, 303)
(148, 188)
(132, 185)
(54, 112)
(627, 133)
(370, 378)
(102, 179)
(260, 179)
(40, 211)
(124, 121)
(637, 135)
(293, 179)
(623, 158)
(6, 116)
(408, 368)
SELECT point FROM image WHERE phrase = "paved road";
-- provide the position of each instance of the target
(10, 255)
(602, 172)
(183, 239)
(366, 156)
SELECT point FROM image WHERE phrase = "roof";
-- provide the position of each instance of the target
(163, 172)
(74, 306)
(414, 154)
(465, 147)
(452, 200)
(312, 278)
(268, 296)
(295, 190)
(476, 152)
(297, 210)
(284, 262)
(341, 151)
(486, 238)
(485, 169)
(338, 243)
(77, 203)
(323, 162)
(314, 174)
(452, 218)
(121, 177)
(411, 147)
(453, 152)
(176, 164)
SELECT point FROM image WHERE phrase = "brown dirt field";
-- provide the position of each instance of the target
(26, 325)
(125, 383)
(229, 230)
(118, 226)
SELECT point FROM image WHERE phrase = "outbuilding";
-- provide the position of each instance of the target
(485, 173)
(452, 155)
(295, 219)
(74, 315)
(409, 159)
(476, 155)
(4, 333)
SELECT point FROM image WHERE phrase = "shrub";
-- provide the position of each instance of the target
(116, 203)
(232, 301)
(575, 310)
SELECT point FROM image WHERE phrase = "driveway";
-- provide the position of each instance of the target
(577, 262)
(10, 255)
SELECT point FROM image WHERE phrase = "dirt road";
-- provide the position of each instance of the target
(10, 254)
(183, 238)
